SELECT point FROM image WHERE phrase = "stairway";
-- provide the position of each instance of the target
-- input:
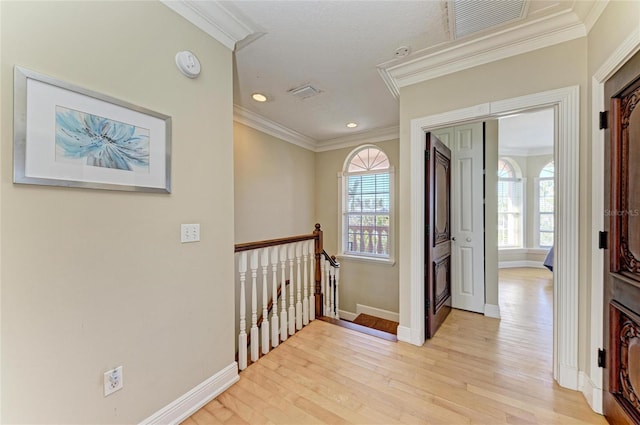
(365, 325)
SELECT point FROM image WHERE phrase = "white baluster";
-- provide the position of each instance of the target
(298, 247)
(255, 336)
(242, 337)
(305, 296)
(264, 326)
(275, 323)
(332, 289)
(337, 283)
(323, 285)
(327, 292)
(292, 309)
(284, 334)
(312, 280)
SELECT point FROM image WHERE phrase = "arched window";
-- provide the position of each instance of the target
(367, 204)
(510, 205)
(546, 205)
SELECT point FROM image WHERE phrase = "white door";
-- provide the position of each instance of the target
(467, 214)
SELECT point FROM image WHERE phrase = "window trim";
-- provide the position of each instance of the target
(537, 203)
(342, 213)
(522, 181)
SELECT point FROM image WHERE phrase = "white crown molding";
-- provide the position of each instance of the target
(265, 125)
(533, 35)
(389, 81)
(374, 136)
(214, 19)
(260, 123)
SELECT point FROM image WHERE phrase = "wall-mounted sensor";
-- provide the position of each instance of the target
(188, 64)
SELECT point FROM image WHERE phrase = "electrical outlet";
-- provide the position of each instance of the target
(189, 233)
(113, 380)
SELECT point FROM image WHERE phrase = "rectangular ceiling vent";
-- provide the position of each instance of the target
(472, 16)
(304, 92)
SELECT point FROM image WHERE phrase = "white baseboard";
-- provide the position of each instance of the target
(404, 334)
(568, 377)
(378, 312)
(185, 406)
(524, 263)
(347, 315)
(492, 310)
(592, 393)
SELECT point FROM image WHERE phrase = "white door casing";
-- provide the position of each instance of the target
(467, 215)
(566, 152)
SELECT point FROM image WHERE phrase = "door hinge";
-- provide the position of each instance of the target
(602, 358)
(604, 120)
(427, 155)
(603, 240)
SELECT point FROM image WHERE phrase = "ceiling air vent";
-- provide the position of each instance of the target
(304, 92)
(471, 16)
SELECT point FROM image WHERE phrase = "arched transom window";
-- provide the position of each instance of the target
(367, 204)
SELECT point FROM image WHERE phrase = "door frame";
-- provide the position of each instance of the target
(592, 388)
(566, 153)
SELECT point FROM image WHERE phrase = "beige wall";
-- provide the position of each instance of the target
(374, 285)
(274, 186)
(95, 279)
(553, 67)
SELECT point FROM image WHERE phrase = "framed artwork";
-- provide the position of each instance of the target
(65, 135)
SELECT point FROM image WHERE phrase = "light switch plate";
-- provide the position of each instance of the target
(189, 233)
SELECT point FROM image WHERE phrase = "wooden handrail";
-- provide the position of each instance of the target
(248, 246)
(331, 259)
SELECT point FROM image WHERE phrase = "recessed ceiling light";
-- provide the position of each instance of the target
(259, 97)
(352, 125)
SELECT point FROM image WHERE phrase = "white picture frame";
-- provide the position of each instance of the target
(65, 135)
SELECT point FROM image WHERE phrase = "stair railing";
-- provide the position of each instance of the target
(331, 282)
(310, 273)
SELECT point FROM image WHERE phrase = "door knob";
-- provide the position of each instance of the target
(453, 238)
(468, 239)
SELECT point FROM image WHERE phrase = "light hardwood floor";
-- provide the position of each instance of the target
(476, 370)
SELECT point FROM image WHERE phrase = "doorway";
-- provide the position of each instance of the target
(565, 102)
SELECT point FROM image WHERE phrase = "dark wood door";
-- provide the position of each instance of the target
(437, 268)
(622, 261)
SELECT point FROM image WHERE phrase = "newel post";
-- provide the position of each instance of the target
(318, 292)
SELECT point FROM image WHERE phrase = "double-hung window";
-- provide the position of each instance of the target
(545, 206)
(510, 205)
(367, 204)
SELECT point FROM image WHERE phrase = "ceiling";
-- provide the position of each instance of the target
(529, 133)
(358, 54)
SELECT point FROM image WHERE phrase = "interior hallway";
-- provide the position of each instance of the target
(476, 370)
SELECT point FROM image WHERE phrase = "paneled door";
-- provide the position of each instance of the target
(622, 262)
(467, 214)
(437, 268)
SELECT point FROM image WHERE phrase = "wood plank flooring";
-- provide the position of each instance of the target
(476, 370)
